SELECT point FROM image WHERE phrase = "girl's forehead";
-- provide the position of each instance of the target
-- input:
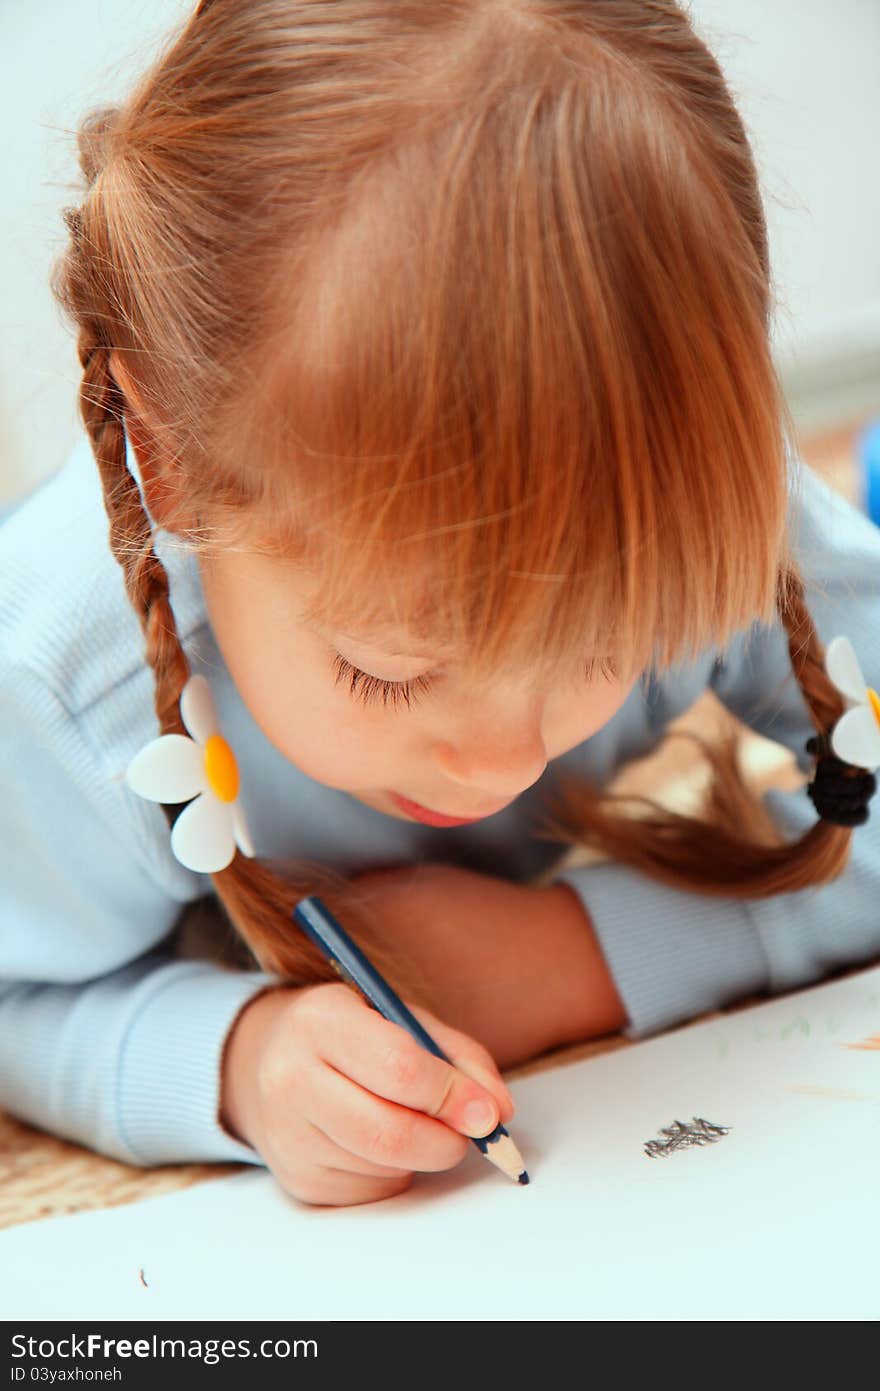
(404, 622)
(409, 620)
(394, 643)
(387, 639)
(397, 635)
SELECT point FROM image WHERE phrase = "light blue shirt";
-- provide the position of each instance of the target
(107, 1039)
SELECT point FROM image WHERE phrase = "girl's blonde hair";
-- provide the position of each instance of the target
(463, 307)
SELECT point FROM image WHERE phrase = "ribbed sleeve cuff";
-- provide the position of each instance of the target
(672, 954)
(169, 1070)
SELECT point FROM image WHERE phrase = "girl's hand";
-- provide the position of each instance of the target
(343, 1105)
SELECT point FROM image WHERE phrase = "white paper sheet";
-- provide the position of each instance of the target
(779, 1219)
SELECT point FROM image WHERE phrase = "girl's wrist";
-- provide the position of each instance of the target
(516, 966)
(589, 1003)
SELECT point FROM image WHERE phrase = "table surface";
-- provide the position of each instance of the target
(44, 1176)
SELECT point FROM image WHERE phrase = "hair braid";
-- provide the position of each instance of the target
(131, 539)
(258, 900)
(807, 656)
(735, 840)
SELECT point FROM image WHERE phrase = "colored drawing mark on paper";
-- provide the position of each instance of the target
(832, 1093)
(801, 1023)
(873, 1041)
(682, 1136)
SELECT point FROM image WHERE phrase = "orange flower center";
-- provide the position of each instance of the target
(875, 703)
(221, 768)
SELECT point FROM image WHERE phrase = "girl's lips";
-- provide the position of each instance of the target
(430, 818)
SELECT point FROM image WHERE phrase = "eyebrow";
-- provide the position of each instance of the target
(373, 637)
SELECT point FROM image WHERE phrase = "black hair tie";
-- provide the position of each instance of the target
(840, 792)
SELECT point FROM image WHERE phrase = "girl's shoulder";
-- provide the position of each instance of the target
(821, 519)
(64, 611)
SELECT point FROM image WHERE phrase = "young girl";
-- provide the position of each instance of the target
(426, 369)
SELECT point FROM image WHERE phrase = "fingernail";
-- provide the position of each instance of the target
(479, 1117)
(487, 1079)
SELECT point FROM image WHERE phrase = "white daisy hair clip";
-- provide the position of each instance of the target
(174, 768)
(844, 781)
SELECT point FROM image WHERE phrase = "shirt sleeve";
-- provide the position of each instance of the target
(105, 1039)
(675, 954)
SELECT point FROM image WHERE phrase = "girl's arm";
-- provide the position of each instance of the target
(517, 967)
(675, 953)
(106, 1039)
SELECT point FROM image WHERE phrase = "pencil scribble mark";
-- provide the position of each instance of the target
(872, 1041)
(681, 1136)
(799, 1023)
(143, 1281)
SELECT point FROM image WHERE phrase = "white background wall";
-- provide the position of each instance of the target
(804, 72)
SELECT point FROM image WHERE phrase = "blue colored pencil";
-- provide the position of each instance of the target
(330, 937)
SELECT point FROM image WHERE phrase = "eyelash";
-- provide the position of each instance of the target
(374, 687)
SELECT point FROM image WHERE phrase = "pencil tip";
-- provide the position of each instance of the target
(523, 1178)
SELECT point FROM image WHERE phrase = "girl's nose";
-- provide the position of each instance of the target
(495, 751)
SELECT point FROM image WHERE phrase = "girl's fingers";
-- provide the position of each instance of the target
(379, 1132)
(327, 1154)
(331, 1187)
(384, 1059)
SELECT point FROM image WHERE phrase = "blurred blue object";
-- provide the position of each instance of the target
(869, 469)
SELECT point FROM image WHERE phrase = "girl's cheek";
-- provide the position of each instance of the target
(341, 746)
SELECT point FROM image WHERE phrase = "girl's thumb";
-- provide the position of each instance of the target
(486, 1078)
(460, 1049)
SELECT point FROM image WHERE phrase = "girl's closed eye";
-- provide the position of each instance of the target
(374, 687)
